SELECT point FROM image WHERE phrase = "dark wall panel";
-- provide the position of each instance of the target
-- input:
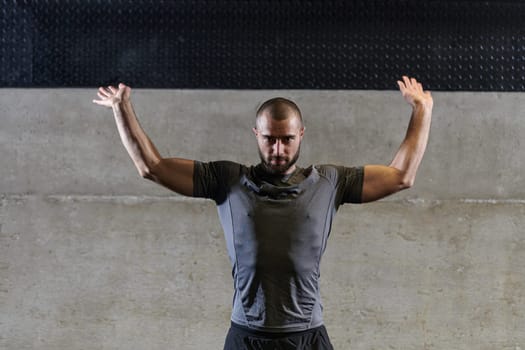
(450, 45)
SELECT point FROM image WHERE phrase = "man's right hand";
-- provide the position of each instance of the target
(110, 95)
(414, 94)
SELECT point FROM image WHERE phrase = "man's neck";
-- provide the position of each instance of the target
(285, 178)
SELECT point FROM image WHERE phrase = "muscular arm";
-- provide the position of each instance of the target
(380, 181)
(173, 173)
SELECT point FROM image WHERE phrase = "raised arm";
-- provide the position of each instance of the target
(381, 181)
(173, 173)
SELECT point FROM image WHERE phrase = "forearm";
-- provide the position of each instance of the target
(140, 148)
(410, 153)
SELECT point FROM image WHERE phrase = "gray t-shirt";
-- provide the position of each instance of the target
(276, 230)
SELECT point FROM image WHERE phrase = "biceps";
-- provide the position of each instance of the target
(380, 181)
(175, 174)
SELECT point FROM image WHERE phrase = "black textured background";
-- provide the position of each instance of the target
(287, 44)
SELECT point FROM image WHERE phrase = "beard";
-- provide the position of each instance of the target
(278, 169)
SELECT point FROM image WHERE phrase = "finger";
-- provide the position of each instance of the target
(103, 91)
(102, 97)
(98, 102)
(401, 85)
(407, 81)
(112, 89)
(413, 81)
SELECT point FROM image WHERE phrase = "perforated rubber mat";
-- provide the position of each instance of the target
(294, 44)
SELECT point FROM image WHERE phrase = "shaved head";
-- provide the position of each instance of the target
(279, 108)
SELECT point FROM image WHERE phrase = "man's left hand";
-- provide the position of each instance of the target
(414, 94)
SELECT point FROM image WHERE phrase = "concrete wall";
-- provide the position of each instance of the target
(94, 257)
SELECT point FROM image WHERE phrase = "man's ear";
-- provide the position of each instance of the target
(255, 131)
(302, 131)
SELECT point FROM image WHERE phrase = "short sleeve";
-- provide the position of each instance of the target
(212, 180)
(351, 184)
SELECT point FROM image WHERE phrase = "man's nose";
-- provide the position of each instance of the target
(278, 147)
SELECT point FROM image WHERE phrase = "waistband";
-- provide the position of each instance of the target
(273, 335)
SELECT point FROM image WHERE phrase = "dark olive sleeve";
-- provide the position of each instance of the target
(212, 180)
(351, 182)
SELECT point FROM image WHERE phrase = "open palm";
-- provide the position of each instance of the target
(110, 95)
(413, 92)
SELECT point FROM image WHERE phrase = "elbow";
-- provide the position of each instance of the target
(146, 172)
(149, 171)
(405, 179)
(407, 185)
(407, 182)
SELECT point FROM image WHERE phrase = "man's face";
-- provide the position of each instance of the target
(279, 142)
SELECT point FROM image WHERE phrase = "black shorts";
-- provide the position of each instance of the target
(242, 338)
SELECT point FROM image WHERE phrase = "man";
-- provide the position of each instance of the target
(276, 216)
